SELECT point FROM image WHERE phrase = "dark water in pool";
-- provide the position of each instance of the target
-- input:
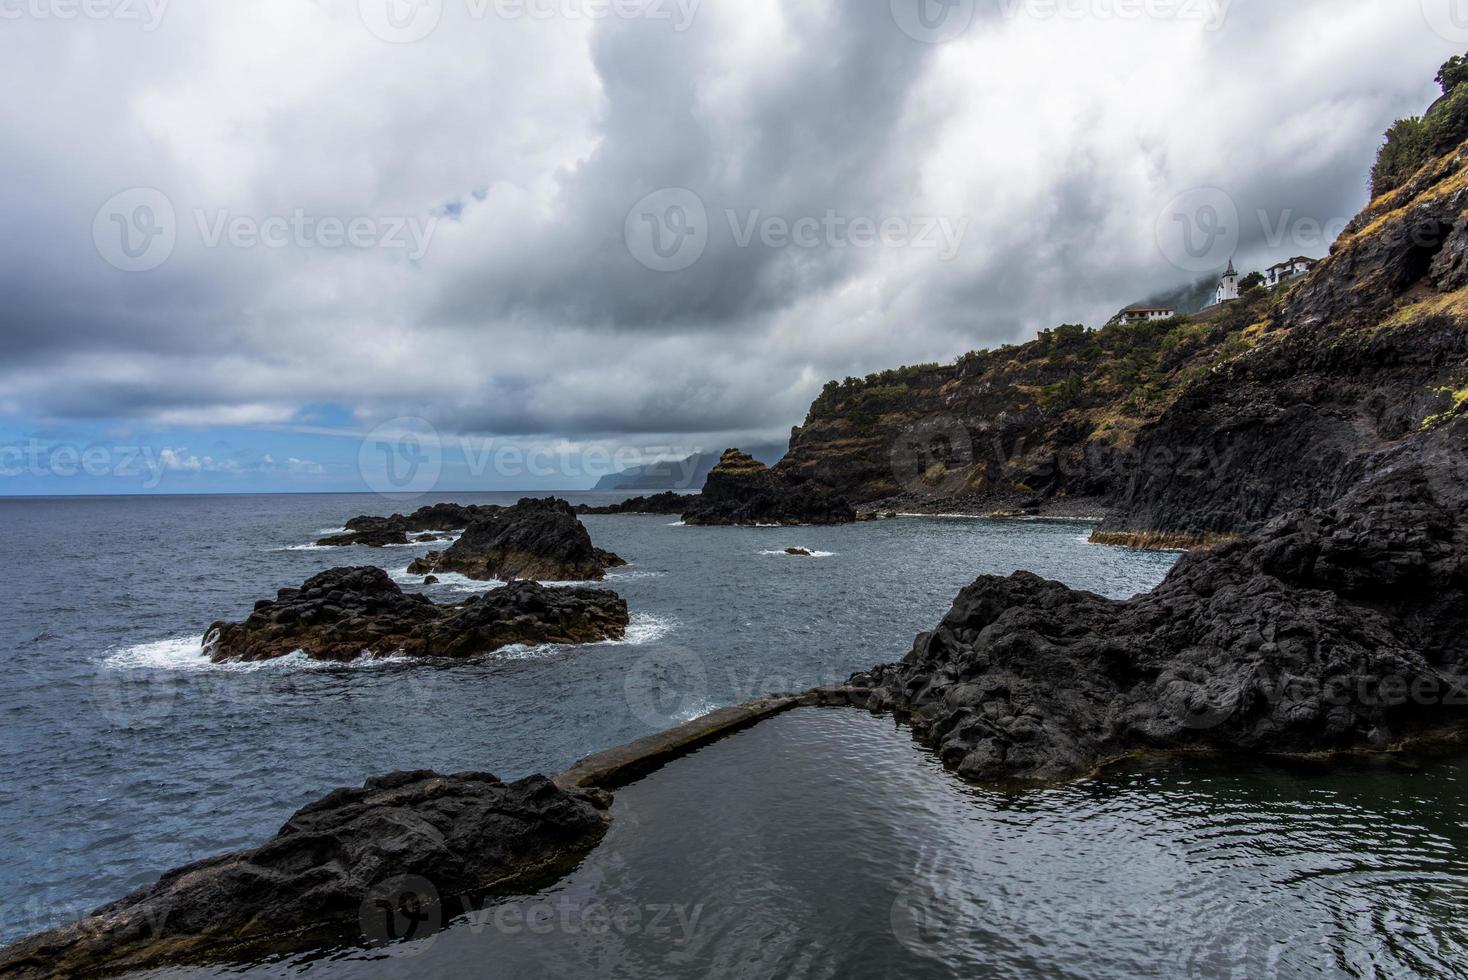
(822, 844)
(124, 754)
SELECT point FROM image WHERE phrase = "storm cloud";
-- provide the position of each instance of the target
(444, 226)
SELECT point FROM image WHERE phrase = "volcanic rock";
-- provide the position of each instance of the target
(380, 532)
(536, 539)
(743, 491)
(360, 866)
(348, 613)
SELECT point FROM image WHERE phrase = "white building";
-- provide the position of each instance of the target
(1228, 286)
(1288, 271)
(1144, 314)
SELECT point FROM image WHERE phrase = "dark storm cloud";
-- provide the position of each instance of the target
(1055, 142)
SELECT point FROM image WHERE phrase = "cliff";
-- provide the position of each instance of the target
(1049, 425)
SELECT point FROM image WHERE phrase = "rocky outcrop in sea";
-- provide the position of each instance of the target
(743, 491)
(662, 504)
(348, 613)
(406, 853)
(425, 524)
(541, 540)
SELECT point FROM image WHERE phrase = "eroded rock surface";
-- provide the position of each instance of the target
(1331, 630)
(541, 540)
(348, 613)
(333, 872)
(743, 491)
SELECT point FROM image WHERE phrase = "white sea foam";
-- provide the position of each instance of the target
(186, 653)
(678, 524)
(813, 554)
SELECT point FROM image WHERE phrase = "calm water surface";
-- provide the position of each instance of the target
(823, 844)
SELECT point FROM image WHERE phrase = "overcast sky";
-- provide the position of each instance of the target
(241, 236)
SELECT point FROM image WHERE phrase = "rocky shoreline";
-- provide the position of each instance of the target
(394, 859)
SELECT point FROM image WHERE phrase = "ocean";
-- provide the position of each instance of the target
(125, 753)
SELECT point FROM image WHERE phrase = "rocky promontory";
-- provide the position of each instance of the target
(396, 859)
(1330, 630)
(348, 613)
(743, 491)
(425, 524)
(541, 540)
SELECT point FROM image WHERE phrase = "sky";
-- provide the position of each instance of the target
(413, 245)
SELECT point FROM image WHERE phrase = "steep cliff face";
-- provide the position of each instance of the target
(1371, 352)
(1050, 425)
(1187, 431)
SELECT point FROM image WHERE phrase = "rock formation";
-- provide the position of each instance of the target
(380, 532)
(349, 613)
(368, 865)
(743, 491)
(1330, 630)
(1328, 612)
(662, 503)
(536, 539)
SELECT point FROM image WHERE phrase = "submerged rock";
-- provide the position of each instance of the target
(1331, 630)
(348, 613)
(799, 553)
(743, 491)
(536, 539)
(405, 847)
(380, 532)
